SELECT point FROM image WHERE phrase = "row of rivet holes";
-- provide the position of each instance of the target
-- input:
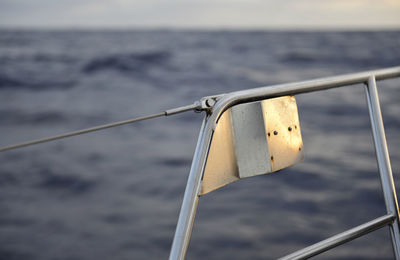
(276, 133)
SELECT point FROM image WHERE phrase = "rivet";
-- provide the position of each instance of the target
(210, 102)
(275, 132)
(290, 128)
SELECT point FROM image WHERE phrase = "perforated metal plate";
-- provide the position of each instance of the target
(253, 139)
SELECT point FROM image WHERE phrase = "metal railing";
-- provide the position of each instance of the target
(218, 104)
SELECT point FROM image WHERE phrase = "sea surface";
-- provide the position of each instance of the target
(116, 194)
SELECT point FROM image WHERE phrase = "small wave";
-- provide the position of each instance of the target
(35, 83)
(175, 162)
(16, 221)
(59, 58)
(138, 62)
(339, 57)
(299, 57)
(18, 117)
(116, 218)
(8, 179)
(34, 58)
(9, 38)
(7, 81)
(72, 183)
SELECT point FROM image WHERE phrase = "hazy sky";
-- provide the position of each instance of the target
(290, 14)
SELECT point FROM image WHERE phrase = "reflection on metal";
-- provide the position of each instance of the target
(215, 124)
(282, 125)
(253, 139)
(221, 167)
(341, 238)
(382, 156)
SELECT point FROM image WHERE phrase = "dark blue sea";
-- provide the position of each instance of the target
(116, 194)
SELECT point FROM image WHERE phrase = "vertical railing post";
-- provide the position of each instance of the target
(191, 197)
(382, 156)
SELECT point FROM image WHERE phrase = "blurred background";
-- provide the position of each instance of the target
(116, 194)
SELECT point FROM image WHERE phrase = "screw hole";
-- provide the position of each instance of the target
(299, 148)
(272, 158)
(269, 134)
(290, 128)
(275, 132)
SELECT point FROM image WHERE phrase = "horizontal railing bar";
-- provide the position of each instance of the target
(256, 94)
(341, 238)
(328, 82)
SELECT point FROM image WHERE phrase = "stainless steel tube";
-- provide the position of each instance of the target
(382, 156)
(256, 94)
(190, 200)
(341, 238)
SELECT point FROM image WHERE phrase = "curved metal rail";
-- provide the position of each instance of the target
(223, 102)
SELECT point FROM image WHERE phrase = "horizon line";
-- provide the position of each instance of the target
(199, 28)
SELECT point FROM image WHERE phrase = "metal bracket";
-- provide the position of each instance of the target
(253, 139)
(207, 103)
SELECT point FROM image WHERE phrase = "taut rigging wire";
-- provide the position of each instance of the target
(195, 106)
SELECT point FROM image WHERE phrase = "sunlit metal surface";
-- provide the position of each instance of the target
(282, 127)
(221, 167)
(253, 139)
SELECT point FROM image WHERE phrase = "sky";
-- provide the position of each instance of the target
(213, 14)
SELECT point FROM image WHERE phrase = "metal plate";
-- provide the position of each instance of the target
(253, 139)
(282, 127)
(251, 145)
(221, 167)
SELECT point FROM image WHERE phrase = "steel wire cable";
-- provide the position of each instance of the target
(101, 127)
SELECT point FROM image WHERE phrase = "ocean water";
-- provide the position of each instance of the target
(116, 194)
